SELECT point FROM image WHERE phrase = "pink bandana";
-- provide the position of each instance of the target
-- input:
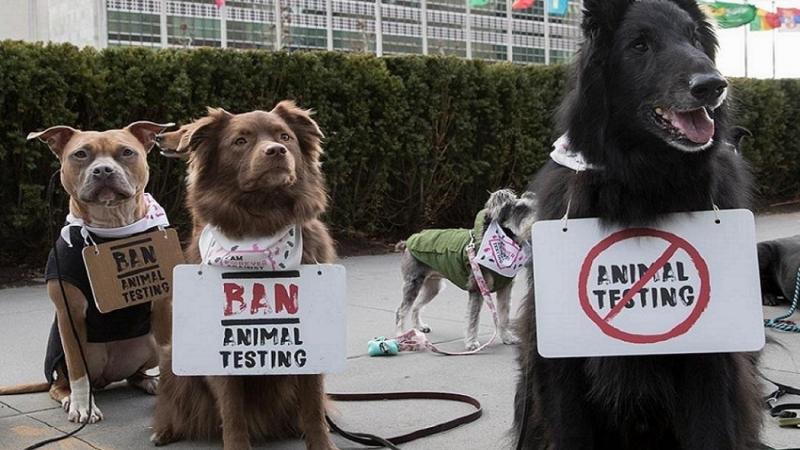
(501, 254)
(282, 251)
(154, 217)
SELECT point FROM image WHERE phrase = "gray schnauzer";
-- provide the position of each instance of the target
(431, 255)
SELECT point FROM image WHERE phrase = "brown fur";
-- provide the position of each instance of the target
(245, 193)
(117, 202)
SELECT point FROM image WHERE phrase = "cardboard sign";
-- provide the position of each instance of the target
(687, 285)
(229, 322)
(132, 271)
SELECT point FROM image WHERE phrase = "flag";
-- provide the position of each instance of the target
(220, 3)
(522, 4)
(478, 3)
(731, 15)
(790, 19)
(558, 7)
(765, 21)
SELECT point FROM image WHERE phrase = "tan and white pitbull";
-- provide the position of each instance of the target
(105, 174)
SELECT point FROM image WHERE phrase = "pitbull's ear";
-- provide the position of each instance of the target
(55, 137)
(304, 127)
(145, 132)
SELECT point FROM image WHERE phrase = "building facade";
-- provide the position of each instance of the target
(384, 27)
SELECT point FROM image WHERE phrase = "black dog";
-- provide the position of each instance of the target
(778, 261)
(647, 111)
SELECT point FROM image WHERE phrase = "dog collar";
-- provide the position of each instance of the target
(281, 251)
(565, 156)
(154, 217)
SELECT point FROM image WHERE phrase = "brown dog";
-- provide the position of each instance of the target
(250, 174)
(105, 174)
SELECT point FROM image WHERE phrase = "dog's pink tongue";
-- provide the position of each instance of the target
(696, 125)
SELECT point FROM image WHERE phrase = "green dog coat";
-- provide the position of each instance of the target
(445, 251)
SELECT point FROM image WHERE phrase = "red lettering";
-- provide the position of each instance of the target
(259, 299)
(286, 300)
(233, 293)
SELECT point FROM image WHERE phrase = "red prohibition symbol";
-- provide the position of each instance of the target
(675, 243)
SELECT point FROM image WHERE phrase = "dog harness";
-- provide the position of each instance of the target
(445, 251)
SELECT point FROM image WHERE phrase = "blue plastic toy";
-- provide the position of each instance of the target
(380, 346)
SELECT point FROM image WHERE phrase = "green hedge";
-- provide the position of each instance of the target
(411, 141)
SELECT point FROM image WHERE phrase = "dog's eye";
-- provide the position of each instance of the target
(80, 154)
(285, 137)
(240, 141)
(640, 45)
(128, 152)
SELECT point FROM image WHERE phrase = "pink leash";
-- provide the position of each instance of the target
(415, 340)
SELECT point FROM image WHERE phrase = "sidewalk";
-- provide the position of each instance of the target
(373, 294)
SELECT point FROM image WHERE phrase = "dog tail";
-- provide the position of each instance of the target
(400, 246)
(24, 388)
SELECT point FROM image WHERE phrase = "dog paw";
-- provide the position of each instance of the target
(79, 411)
(770, 300)
(472, 345)
(147, 384)
(324, 444)
(162, 437)
(509, 338)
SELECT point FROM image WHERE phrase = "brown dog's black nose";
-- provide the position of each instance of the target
(102, 172)
(275, 150)
(707, 87)
(158, 138)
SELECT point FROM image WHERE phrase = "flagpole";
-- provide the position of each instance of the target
(746, 48)
(223, 25)
(546, 31)
(423, 23)
(773, 44)
(509, 32)
(162, 19)
(468, 30)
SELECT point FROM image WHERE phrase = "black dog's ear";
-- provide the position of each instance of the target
(304, 127)
(602, 15)
(708, 38)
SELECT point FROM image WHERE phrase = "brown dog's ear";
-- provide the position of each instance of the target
(145, 132)
(299, 120)
(55, 137)
(202, 129)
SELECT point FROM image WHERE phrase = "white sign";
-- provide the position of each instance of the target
(229, 322)
(686, 285)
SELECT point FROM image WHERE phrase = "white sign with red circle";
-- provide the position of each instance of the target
(688, 284)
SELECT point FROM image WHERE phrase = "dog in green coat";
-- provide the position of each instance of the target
(433, 255)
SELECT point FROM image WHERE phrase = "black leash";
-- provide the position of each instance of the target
(392, 442)
(50, 193)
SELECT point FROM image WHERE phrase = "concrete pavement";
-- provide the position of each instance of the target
(373, 294)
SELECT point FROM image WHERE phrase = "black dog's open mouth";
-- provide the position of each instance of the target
(694, 125)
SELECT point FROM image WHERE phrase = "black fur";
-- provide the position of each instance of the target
(778, 262)
(708, 401)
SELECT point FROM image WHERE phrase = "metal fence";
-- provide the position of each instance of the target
(440, 27)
